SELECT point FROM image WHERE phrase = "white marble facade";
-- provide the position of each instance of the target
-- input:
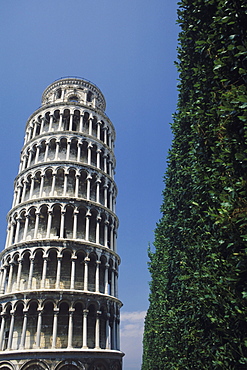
(59, 269)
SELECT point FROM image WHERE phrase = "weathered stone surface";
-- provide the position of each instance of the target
(59, 269)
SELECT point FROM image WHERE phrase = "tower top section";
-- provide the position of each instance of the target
(74, 90)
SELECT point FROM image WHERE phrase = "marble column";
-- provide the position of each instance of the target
(62, 224)
(11, 264)
(72, 275)
(70, 327)
(53, 184)
(24, 330)
(30, 276)
(36, 227)
(38, 331)
(45, 260)
(84, 340)
(97, 330)
(41, 185)
(98, 220)
(89, 178)
(88, 215)
(54, 330)
(18, 279)
(48, 231)
(68, 150)
(46, 150)
(57, 150)
(37, 154)
(31, 187)
(59, 261)
(60, 121)
(86, 261)
(97, 276)
(3, 320)
(106, 278)
(79, 144)
(107, 345)
(50, 122)
(11, 329)
(4, 279)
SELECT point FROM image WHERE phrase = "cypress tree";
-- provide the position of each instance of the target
(197, 317)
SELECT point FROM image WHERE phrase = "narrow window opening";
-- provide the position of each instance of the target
(89, 96)
(74, 98)
(58, 93)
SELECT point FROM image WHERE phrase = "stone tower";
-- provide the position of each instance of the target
(59, 269)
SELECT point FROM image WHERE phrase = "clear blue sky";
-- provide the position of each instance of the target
(127, 48)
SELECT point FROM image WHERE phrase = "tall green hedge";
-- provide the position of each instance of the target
(197, 318)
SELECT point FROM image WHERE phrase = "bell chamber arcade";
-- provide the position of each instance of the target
(59, 306)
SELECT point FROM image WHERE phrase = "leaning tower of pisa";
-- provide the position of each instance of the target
(59, 269)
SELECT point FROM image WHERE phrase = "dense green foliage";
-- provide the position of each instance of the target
(197, 318)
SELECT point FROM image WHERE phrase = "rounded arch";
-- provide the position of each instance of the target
(32, 303)
(15, 256)
(47, 304)
(35, 365)
(7, 307)
(18, 306)
(37, 172)
(25, 251)
(6, 366)
(69, 365)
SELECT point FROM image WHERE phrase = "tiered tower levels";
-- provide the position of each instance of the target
(59, 274)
